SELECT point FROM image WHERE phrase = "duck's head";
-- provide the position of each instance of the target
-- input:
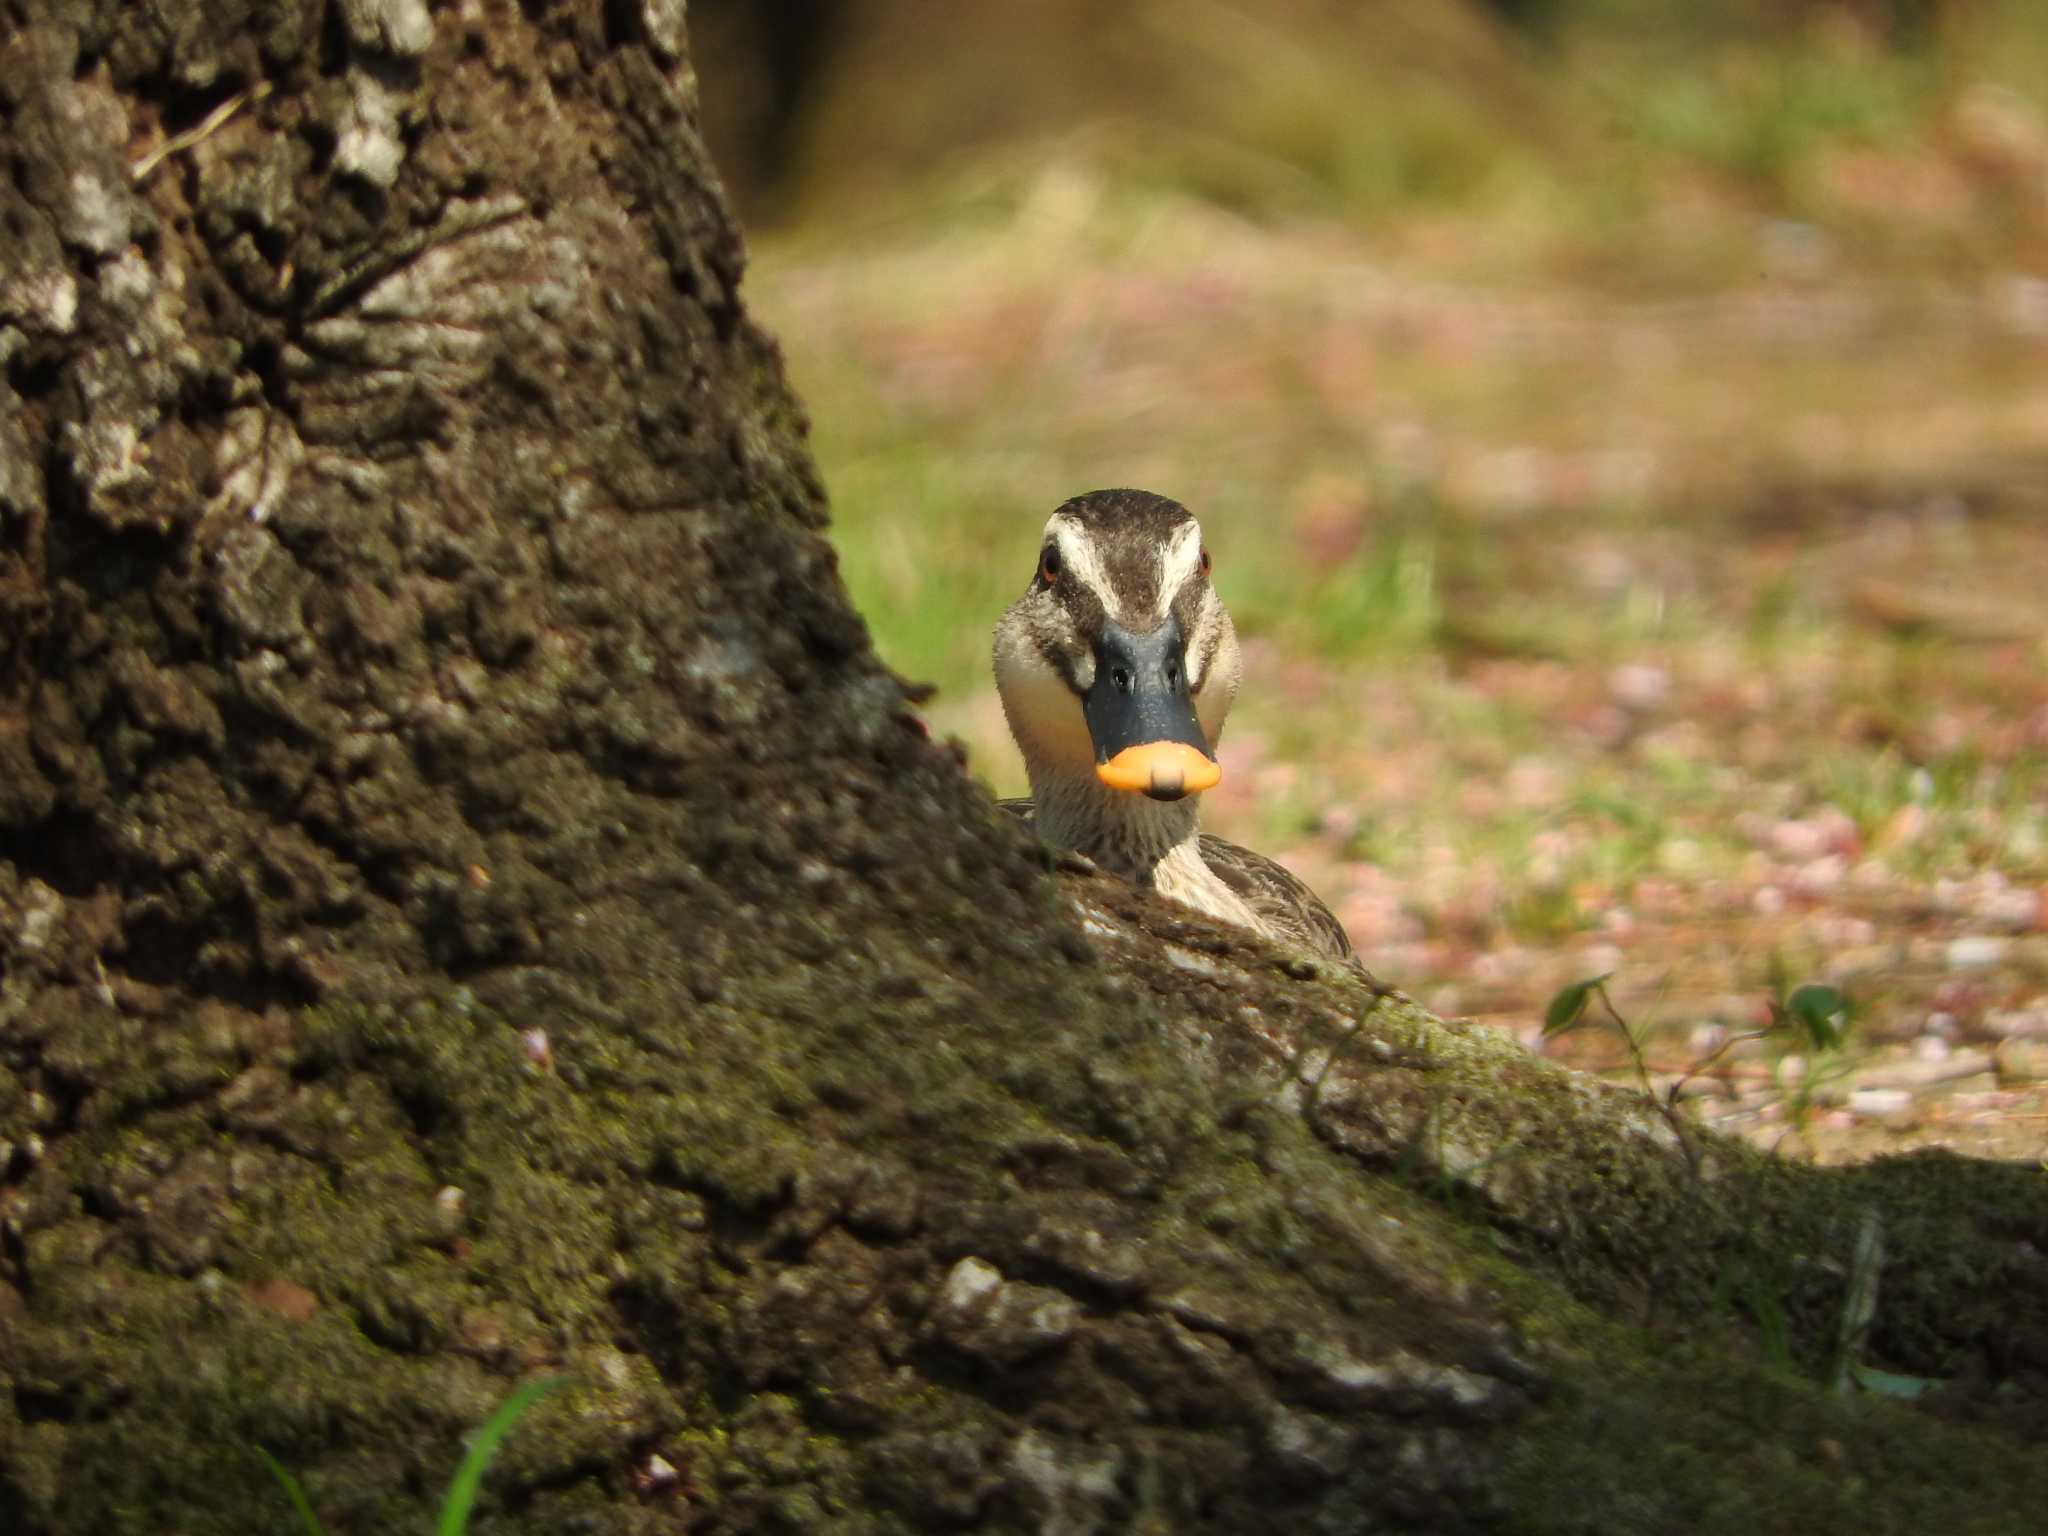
(1118, 663)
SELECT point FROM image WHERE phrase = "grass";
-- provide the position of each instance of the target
(1568, 145)
(1632, 524)
(460, 1498)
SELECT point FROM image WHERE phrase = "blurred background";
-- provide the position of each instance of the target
(1620, 427)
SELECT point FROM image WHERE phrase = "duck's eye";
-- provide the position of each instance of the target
(1049, 564)
(1205, 559)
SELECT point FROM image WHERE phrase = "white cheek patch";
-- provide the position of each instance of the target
(1212, 706)
(1218, 687)
(1044, 713)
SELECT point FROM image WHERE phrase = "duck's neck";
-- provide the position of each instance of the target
(1128, 835)
(1148, 842)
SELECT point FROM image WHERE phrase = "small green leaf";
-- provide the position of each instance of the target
(470, 1475)
(1887, 1384)
(1569, 1006)
(294, 1492)
(1822, 1012)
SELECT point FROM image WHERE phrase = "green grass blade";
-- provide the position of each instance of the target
(470, 1475)
(294, 1492)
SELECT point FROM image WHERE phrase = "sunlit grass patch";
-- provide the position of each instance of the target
(1385, 597)
(1762, 109)
(923, 540)
(1543, 913)
(1955, 812)
(1647, 140)
(1414, 132)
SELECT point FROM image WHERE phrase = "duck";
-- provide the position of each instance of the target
(1116, 670)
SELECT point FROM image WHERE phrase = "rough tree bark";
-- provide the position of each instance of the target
(473, 905)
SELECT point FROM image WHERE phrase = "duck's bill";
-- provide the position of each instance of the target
(1165, 770)
(1147, 737)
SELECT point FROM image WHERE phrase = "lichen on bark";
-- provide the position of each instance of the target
(472, 904)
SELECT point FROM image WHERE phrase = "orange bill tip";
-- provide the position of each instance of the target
(1165, 770)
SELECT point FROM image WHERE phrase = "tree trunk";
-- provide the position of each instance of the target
(473, 905)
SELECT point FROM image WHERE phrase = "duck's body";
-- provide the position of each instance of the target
(1116, 670)
(1229, 881)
